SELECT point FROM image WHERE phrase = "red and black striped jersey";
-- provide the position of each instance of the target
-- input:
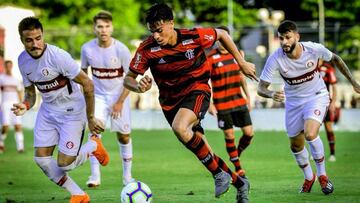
(226, 82)
(327, 72)
(178, 69)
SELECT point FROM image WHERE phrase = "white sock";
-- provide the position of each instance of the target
(2, 139)
(317, 151)
(302, 159)
(49, 166)
(126, 154)
(19, 139)
(94, 163)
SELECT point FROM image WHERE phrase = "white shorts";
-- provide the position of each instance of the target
(65, 130)
(7, 116)
(103, 109)
(297, 114)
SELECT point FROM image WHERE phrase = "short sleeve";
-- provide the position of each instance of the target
(207, 36)
(25, 79)
(270, 67)
(323, 52)
(66, 64)
(139, 63)
(84, 60)
(125, 58)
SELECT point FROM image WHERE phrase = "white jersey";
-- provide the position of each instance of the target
(108, 65)
(302, 78)
(53, 75)
(10, 86)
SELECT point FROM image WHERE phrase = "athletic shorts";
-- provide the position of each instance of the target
(297, 114)
(196, 101)
(238, 118)
(7, 116)
(65, 130)
(103, 109)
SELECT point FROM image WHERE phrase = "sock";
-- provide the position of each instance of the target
(331, 139)
(233, 153)
(19, 139)
(236, 181)
(302, 159)
(49, 166)
(201, 150)
(2, 140)
(317, 151)
(94, 163)
(126, 154)
(244, 142)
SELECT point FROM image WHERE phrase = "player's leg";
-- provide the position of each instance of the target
(242, 119)
(331, 139)
(19, 136)
(5, 118)
(314, 113)
(101, 112)
(122, 127)
(294, 123)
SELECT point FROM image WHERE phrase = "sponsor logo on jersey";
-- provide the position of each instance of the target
(137, 60)
(209, 37)
(302, 78)
(155, 49)
(216, 56)
(188, 41)
(48, 86)
(189, 54)
(105, 73)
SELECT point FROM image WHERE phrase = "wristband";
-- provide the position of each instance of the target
(27, 104)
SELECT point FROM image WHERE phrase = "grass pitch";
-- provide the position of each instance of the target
(176, 176)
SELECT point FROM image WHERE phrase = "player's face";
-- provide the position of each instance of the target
(163, 32)
(33, 42)
(288, 41)
(8, 68)
(103, 29)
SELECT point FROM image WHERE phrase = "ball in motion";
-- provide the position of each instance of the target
(136, 192)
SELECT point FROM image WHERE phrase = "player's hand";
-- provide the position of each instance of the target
(96, 126)
(278, 96)
(116, 110)
(19, 109)
(249, 70)
(144, 84)
(332, 108)
(212, 109)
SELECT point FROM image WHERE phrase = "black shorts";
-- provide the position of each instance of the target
(196, 101)
(238, 118)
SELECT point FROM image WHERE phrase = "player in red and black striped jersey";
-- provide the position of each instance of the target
(178, 64)
(327, 71)
(229, 105)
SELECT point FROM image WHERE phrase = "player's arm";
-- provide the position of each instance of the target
(29, 101)
(245, 89)
(118, 105)
(95, 126)
(332, 106)
(263, 90)
(132, 84)
(340, 64)
(247, 68)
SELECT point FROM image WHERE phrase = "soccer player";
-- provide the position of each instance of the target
(11, 90)
(178, 64)
(61, 118)
(327, 71)
(306, 95)
(109, 60)
(230, 107)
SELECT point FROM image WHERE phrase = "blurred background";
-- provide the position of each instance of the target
(253, 24)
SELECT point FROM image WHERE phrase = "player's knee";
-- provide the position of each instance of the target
(123, 138)
(310, 135)
(296, 147)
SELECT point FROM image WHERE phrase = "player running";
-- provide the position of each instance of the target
(307, 98)
(61, 118)
(109, 61)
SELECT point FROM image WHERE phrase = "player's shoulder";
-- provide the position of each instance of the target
(89, 44)
(148, 44)
(311, 46)
(120, 45)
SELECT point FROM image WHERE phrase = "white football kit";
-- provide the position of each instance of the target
(10, 86)
(305, 91)
(108, 67)
(62, 115)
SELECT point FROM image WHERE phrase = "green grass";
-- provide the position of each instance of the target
(173, 172)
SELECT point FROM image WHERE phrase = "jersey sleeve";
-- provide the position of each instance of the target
(125, 58)
(207, 36)
(139, 63)
(323, 52)
(66, 64)
(25, 79)
(84, 60)
(270, 67)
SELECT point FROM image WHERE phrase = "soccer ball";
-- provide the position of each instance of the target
(136, 192)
